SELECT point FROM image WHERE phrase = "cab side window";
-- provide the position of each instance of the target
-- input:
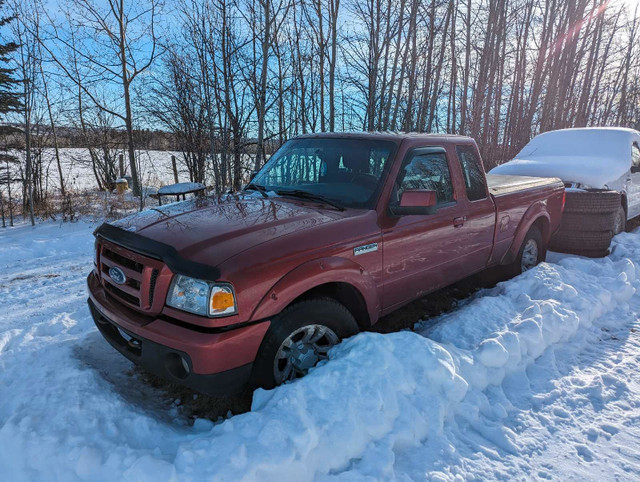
(425, 170)
(472, 173)
(635, 155)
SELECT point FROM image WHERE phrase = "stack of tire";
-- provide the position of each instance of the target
(589, 222)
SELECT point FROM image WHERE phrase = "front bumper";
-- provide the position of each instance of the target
(217, 363)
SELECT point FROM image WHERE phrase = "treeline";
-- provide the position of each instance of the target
(232, 79)
(71, 137)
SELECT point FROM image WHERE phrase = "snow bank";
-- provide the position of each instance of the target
(591, 156)
(382, 393)
(385, 406)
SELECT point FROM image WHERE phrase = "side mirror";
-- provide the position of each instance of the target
(635, 169)
(415, 201)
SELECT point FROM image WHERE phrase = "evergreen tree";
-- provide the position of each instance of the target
(10, 101)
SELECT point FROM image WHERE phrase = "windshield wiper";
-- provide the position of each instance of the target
(256, 187)
(309, 195)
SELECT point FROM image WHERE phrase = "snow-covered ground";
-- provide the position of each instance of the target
(538, 377)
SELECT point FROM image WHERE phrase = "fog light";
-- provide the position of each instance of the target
(177, 365)
(185, 365)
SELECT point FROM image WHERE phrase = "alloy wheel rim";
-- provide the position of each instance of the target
(302, 350)
(529, 255)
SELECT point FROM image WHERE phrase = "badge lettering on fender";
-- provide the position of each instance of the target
(367, 248)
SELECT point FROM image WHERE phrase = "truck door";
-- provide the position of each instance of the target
(479, 225)
(422, 252)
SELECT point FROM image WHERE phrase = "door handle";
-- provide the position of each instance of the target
(459, 222)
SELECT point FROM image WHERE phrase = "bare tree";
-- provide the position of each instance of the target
(27, 66)
(180, 106)
(245, 75)
(115, 43)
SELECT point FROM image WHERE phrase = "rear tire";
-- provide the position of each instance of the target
(531, 252)
(287, 348)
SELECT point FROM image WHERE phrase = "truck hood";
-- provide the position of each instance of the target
(210, 230)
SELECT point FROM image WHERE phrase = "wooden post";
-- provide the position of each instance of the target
(175, 168)
(4, 225)
(9, 194)
(121, 160)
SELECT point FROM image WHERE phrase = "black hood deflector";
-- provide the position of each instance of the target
(157, 250)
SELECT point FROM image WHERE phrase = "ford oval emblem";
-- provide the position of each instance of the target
(117, 275)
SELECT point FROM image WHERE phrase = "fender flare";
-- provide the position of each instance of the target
(312, 274)
(535, 213)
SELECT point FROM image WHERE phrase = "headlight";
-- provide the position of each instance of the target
(201, 297)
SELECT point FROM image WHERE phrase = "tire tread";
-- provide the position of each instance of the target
(581, 241)
(592, 202)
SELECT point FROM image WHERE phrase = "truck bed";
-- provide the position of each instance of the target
(513, 197)
(500, 184)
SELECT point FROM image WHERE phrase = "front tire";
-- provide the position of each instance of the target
(299, 338)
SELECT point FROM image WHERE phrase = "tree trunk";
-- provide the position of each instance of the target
(262, 92)
(128, 117)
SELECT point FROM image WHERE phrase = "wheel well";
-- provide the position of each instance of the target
(344, 293)
(543, 225)
(623, 197)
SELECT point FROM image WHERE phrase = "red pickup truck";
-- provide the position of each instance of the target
(335, 231)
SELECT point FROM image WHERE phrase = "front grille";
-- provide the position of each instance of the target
(121, 260)
(121, 294)
(152, 285)
(141, 274)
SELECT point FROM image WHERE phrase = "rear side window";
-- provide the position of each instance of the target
(635, 155)
(427, 170)
(472, 173)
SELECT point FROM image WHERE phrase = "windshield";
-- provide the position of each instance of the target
(345, 171)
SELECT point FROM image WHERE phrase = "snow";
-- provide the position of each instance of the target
(535, 378)
(180, 188)
(591, 156)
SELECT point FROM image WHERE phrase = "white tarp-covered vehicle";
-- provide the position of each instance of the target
(600, 167)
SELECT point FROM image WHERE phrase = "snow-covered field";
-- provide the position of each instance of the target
(154, 167)
(537, 378)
